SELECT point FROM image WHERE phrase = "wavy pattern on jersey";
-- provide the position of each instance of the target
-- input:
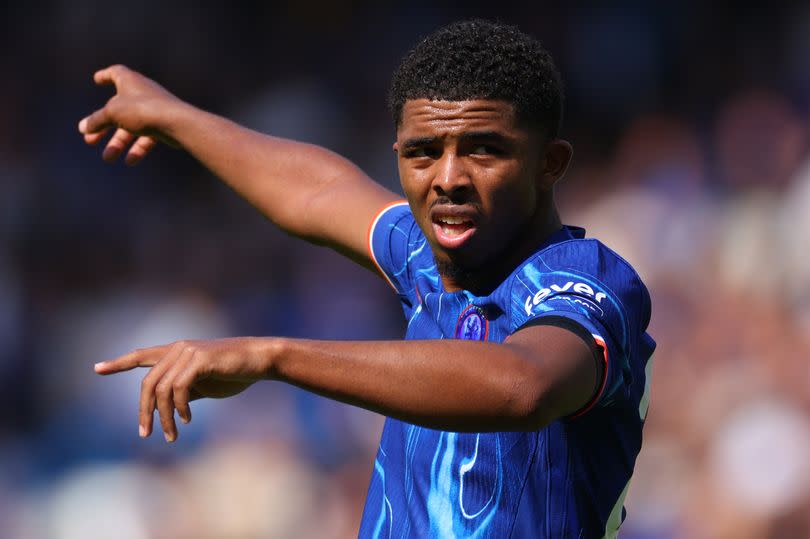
(467, 466)
(386, 511)
(533, 279)
(561, 481)
(415, 249)
(540, 279)
(465, 489)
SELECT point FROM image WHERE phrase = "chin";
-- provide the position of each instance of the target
(454, 271)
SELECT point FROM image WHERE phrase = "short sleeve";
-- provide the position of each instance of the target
(601, 294)
(389, 242)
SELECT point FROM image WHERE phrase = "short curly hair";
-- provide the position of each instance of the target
(479, 59)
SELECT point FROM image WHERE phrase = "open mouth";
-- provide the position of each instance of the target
(452, 231)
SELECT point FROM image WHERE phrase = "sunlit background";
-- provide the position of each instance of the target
(689, 121)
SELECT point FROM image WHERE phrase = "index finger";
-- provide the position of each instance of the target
(143, 357)
(96, 122)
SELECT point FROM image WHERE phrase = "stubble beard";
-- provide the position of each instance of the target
(487, 273)
(455, 272)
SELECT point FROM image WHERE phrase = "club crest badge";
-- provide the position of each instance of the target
(472, 324)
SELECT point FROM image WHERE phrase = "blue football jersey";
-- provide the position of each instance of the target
(568, 479)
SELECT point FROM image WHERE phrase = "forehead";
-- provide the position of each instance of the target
(423, 116)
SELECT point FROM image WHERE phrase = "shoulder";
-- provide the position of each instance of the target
(588, 257)
(388, 217)
(583, 257)
(400, 250)
(582, 267)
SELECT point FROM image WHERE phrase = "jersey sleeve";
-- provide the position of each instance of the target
(583, 283)
(389, 242)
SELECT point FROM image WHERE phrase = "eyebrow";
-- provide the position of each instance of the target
(485, 135)
(417, 142)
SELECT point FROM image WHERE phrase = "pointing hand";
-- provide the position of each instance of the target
(187, 370)
(136, 112)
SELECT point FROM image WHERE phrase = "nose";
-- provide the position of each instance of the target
(452, 177)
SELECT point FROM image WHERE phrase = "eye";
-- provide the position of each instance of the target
(485, 149)
(422, 152)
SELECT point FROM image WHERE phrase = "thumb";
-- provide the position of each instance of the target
(110, 75)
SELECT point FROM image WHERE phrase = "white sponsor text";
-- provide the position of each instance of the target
(579, 288)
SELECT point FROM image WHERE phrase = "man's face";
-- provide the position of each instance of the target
(471, 176)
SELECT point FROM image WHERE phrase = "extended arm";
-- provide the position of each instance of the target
(539, 374)
(306, 190)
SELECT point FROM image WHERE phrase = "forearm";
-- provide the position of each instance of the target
(294, 184)
(449, 385)
(306, 190)
(537, 375)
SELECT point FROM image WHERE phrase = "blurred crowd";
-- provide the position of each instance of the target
(691, 129)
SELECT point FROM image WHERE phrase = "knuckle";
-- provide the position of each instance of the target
(162, 390)
(111, 108)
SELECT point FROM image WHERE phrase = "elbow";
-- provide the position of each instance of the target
(532, 406)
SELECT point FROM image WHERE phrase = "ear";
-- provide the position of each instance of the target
(558, 157)
(395, 147)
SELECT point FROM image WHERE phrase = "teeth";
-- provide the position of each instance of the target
(452, 220)
(454, 226)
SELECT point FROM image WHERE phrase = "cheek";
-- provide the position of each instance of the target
(407, 182)
(416, 191)
(514, 201)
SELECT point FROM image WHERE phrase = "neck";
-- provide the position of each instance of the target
(483, 280)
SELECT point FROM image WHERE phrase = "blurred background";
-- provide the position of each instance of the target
(689, 121)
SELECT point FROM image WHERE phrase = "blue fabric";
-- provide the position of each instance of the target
(565, 480)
